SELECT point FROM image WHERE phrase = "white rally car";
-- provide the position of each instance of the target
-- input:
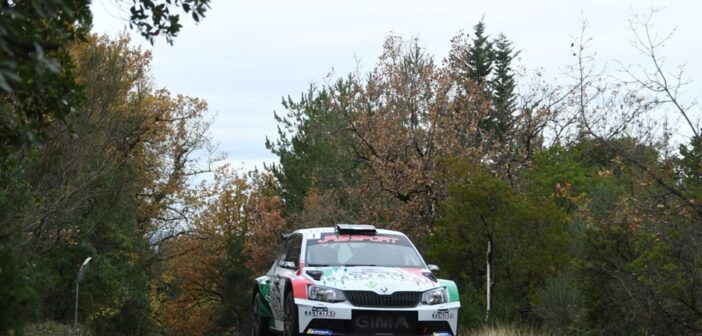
(352, 280)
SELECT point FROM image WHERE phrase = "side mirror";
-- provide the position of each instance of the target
(315, 274)
(433, 268)
(288, 264)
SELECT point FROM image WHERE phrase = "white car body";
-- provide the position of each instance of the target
(376, 299)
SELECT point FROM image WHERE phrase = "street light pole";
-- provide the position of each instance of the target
(79, 277)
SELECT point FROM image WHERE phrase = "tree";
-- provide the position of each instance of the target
(37, 84)
(206, 279)
(528, 237)
(313, 146)
(101, 192)
(511, 129)
(502, 86)
(640, 252)
(382, 135)
(480, 55)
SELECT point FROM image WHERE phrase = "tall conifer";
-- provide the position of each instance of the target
(480, 56)
(502, 85)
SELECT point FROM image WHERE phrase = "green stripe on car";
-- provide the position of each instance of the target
(452, 289)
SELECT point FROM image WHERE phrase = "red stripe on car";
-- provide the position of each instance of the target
(300, 288)
(299, 268)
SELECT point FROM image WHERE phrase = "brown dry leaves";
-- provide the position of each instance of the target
(232, 206)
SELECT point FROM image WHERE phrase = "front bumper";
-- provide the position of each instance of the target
(342, 318)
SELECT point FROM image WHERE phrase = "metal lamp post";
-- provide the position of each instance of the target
(81, 274)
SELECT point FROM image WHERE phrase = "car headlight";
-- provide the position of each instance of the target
(326, 294)
(435, 296)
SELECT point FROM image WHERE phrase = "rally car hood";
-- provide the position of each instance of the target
(382, 280)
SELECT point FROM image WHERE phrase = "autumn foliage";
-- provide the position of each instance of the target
(591, 211)
(205, 279)
(589, 208)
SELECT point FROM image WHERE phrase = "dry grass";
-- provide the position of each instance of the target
(52, 329)
(503, 331)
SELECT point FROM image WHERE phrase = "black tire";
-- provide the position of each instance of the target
(291, 322)
(259, 324)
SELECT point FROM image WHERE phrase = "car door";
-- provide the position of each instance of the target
(273, 293)
(287, 264)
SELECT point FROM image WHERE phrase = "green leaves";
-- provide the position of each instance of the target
(156, 18)
(35, 71)
(314, 146)
(37, 84)
(99, 191)
(530, 241)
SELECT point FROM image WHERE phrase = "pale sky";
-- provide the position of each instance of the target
(247, 54)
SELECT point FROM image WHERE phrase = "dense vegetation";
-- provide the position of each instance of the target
(590, 209)
(593, 214)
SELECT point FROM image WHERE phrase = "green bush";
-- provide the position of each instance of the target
(560, 302)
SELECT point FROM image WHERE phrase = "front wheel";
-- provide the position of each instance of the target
(259, 324)
(291, 321)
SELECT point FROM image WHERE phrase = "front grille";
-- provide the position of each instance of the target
(379, 322)
(372, 299)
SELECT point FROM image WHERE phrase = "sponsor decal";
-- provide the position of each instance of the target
(369, 274)
(320, 312)
(373, 277)
(332, 238)
(381, 322)
(442, 314)
(272, 297)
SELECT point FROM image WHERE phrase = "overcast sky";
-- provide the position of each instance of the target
(246, 55)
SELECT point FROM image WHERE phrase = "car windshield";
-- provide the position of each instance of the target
(361, 250)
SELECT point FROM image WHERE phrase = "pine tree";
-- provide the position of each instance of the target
(502, 86)
(480, 56)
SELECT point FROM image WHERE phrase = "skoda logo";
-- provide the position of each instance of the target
(384, 289)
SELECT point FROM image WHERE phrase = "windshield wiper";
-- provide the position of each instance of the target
(357, 265)
(317, 265)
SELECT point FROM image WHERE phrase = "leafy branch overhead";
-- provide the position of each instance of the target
(155, 18)
(37, 84)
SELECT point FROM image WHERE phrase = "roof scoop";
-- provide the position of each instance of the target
(355, 229)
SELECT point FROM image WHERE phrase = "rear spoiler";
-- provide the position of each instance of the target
(357, 229)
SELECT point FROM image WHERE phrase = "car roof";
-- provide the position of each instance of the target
(310, 231)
